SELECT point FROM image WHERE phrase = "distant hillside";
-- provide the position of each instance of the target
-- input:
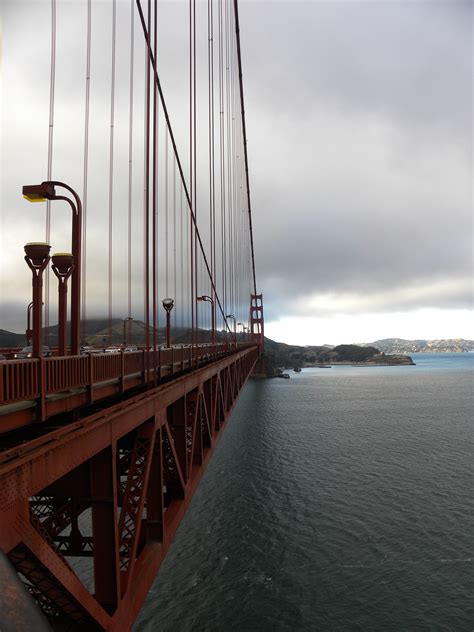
(9, 339)
(399, 345)
(96, 332)
(279, 355)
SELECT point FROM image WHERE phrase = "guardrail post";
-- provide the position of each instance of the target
(143, 367)
(122, 371)
(41, 405)
(90, 389)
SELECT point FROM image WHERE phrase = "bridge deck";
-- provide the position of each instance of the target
(131, 468)
(34, 390)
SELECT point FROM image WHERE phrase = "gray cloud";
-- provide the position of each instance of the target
(361, 152)
(360, 143)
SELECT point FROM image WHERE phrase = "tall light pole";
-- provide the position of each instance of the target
(168, 304)
(37, 258)
(235, 327)
(47, 191)
(63, 266)
(210, 300)
(240, 325)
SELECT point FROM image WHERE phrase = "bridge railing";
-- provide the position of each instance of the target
(60, 375)
(21, 379)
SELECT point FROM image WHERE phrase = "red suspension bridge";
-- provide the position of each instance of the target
(135, 126)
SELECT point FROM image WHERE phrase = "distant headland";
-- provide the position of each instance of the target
(280, 356)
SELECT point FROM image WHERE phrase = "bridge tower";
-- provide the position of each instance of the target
(256, 320)
(257, 333)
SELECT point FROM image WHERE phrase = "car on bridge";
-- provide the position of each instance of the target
(27, 352)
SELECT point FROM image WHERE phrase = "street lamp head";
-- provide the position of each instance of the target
(204, 297)
(230, 316)
(37, 253)
(39, 192)
(168, 304)
(63, 263)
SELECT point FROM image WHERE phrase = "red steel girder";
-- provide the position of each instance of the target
(145, 441)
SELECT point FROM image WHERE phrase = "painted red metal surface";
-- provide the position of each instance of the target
(36, 389)
(112, 488)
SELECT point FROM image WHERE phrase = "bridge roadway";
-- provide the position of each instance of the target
(100, 458)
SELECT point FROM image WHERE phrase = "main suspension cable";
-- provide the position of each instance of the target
(244, 133)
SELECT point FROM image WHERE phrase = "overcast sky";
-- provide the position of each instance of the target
(360, 136)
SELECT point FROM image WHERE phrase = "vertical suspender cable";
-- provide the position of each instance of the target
(50, 153)
(86, 161)
(213, 176)
(174, 240)
(182, 240)
(228, 155)
(111, 162)
(191, 190)
(130, 158)
(222, 161)
(147, 195)
(166, 218)
(155, 188)
(195, 163)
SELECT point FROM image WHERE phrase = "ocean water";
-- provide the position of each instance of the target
(338, 500)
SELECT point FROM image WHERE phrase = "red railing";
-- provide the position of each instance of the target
(60, 375)
(21, 379)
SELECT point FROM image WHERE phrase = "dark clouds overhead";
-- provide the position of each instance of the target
(360, 138)
(359, 119)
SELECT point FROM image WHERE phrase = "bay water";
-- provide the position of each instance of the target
(338, 500)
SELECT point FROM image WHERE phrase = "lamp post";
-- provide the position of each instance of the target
(126, 339)
(47, 191)
(28, 332)
(168, 304)
(235, 329)
(37, 258)
(63, 266)
(208, 299)
(240, 325)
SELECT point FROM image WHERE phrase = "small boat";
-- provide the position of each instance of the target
(297, 369)
(285, 376)
(324, 366)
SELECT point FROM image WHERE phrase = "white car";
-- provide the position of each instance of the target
(27, 352)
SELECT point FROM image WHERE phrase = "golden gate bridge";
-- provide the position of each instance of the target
(102, 449)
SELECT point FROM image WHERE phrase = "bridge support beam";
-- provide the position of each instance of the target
(130, 471)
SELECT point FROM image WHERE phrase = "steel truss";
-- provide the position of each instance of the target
(112, 489)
